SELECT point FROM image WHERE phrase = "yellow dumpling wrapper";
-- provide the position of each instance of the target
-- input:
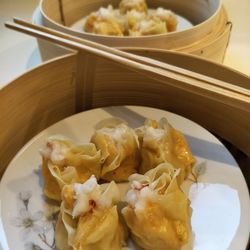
(89, 218)
(166, 16)
(160, 142)
(158, 212)
(103, 27)
(64, 162)
(136, 5)
(157, 21)
(119, 146)
(105, 21)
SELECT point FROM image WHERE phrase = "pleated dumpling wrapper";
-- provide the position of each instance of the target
(160, 142)
(158, 212)
(64, 162)
(88, 217)
(120, 149)
(133, 5)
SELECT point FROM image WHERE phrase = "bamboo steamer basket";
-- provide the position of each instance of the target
(80, 81)
(207, 38)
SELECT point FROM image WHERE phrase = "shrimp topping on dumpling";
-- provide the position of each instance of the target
(88, 217)
(160, 142)
(158, 212)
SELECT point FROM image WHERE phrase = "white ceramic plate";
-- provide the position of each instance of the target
(220, 199)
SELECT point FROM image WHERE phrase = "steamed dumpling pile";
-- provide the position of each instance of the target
(112, 154)
(132, 18)
(158, 212)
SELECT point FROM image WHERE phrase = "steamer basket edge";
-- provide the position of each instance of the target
(58, 77)
(217, 56)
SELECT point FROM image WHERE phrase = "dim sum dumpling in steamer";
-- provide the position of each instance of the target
(158, 212)
(106, 21)
(89, 218)
(129, 5)
(64, 162)
(160, 142)
(166, 16)
(120, 149)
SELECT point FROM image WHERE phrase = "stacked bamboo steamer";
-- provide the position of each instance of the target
(79, 81)
(208, 37)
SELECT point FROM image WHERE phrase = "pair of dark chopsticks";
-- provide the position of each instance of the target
(188, 80)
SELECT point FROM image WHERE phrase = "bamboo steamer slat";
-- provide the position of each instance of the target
(34, 101)
(207, 38)
(80, 81)
(222, 27)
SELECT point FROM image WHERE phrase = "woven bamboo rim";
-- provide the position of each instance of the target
(207, 39)
(81, 81)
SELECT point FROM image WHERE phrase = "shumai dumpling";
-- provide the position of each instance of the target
(88, 217)
(134, 18)
(160, 142)
(64, 162)
(106, 21)
(137, 5)
(158, 212)
(120, 149)
(166, 16)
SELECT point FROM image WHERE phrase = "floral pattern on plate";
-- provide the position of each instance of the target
(39, 223)
(220, 192)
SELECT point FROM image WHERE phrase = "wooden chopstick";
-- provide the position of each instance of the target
(168, 74)
(140, 59)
